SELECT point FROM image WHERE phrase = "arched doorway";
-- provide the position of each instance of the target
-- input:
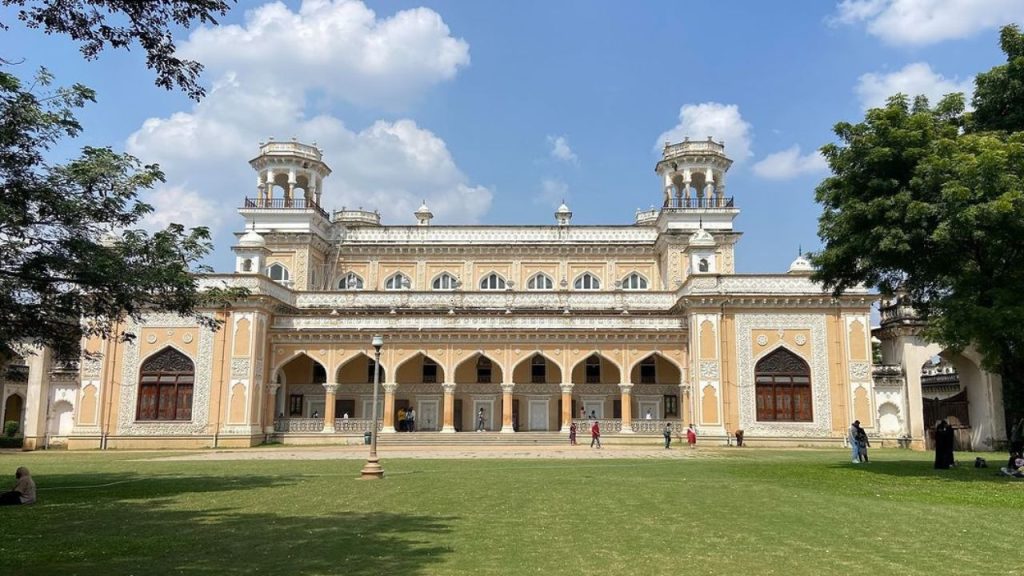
(62, 420)
(13, 412)
(945, 397)
(656, 394)
(478, 379)
(302, 379)
(419, 388)
(537, 394)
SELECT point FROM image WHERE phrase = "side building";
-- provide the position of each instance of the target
(527, 327)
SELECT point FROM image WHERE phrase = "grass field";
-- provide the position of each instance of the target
(721, 512)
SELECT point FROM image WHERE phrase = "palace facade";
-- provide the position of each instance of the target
(523, 327)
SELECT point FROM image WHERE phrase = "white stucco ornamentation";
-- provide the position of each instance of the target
(859, 371)
(239, 367)
(708, 370)
(762, 340)
(818, 361)
(90, 367)
(126, 423)
(466, 322)
(800, 339)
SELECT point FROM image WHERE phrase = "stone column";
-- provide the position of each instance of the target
(566, 407)
(37, 398)
(269, 188)
(685, 413)
(331, 393)
(449, 407)
(626, 388)
(506, 407)
(271, 406)
(389, 407)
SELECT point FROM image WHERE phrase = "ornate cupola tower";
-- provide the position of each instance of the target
(290, 175)
(693, 181)
(563, 216)
(695, 221)
(424, 215)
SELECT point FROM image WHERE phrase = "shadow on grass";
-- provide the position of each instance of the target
(167, 525)
(966, 472)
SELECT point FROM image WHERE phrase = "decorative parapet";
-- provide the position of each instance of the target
(760, 284)
(475, 322)
(445, 301)
(257, 285)
(900, 312)
(488, 235)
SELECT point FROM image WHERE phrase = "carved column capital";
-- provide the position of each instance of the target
(330, 388)
(390, 387)
(626, 387)
(566, 388)
(448, 387)
(508, 387)
(272, 388)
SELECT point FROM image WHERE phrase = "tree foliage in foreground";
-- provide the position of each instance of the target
(98, 24)
(69, 246)
(928, 201)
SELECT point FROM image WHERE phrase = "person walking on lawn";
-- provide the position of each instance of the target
(595, 435)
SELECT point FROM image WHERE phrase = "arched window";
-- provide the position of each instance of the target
(587, 281)
(703, 265)
(538, 370)
(165, 387)
(397, 281)
(429, 371)
(540, 281)
(593, 370)
(634, 282)
(319, 374)
(492, 282)
(445, 281)
(783, 383)
(351, 281)
(278, 273)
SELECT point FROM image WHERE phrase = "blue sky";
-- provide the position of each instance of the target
(493, 112)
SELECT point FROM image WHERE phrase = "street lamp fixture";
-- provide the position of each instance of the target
(373, 470)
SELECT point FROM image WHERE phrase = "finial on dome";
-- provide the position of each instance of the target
(423, 214)
(563, 215)
(802, 265)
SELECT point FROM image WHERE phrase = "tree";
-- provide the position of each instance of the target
(929, 202)
(68, 247)
(97, 24)
(72, 259)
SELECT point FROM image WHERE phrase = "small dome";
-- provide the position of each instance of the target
(252, 240)
(563, 209)
(801, 265)
(423, 208)
(702, 238)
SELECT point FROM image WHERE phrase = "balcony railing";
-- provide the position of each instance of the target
(284, 204)
(341, 425)
(700, 203)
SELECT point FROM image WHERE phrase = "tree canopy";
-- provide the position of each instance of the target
(74, 258)
(928, 201)
(98, 24)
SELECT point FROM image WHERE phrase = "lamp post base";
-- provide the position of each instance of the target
(372, 470)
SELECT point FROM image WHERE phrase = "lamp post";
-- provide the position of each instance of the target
(372, 470)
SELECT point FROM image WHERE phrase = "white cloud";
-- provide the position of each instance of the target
(552, 193)
(789, 164)
(338, 46)
(560, 149)
(390, 165)
(920, 22)
(723, 122)
(913, 79)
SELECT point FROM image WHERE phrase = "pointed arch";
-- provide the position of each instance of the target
(295, 356)
(526, 370)
(350, 281)
(358, 370)
(419, 368)
(586, 281)
(398, 281)
(278, 272)
(540, 282)
(666, 370)
(479, 368)
(596, 368)
(166, 383)
(634, 281)
(782, 380)
(444, 282)
(493, 281)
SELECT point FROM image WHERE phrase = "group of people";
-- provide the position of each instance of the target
(406, 420)
(595, 434)
(859, 443)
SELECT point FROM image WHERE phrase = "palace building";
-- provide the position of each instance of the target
(526, 327)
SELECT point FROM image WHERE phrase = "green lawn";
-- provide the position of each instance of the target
(725, 511)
